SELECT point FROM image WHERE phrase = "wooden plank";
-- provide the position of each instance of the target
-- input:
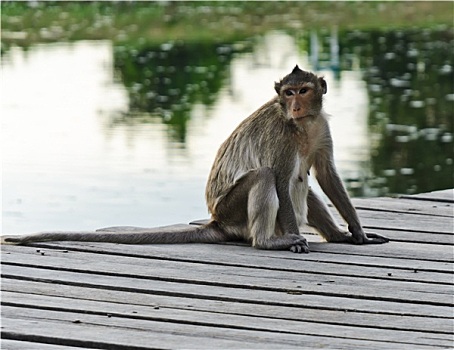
(233, 276)
(444, 196)
(351, 300)
(71, 328)
(406, 236)
(105, 332)
(227, 321)
(404, 205)
(439, 253)
(230, 295)
(405, 221)
(21, 345)
(301, 313)
(244, 255)
(253, 266)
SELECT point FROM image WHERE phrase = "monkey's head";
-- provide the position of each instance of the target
(300, 94)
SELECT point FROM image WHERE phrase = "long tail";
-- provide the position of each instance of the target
(209, 233)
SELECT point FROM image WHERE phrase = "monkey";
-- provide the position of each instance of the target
(257, 190)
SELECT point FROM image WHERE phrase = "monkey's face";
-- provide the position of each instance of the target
(300, 101)
(300, 94)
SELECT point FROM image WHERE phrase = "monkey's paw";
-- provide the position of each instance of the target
(299, 245)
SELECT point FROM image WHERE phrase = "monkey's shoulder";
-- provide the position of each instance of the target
(270, 111)
(267, 119)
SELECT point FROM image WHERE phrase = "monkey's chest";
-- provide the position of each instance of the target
(300, 172)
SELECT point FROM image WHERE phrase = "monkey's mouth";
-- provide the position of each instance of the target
(301, 117)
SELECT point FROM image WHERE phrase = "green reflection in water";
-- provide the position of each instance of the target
(172, 55)
(409, 75)
(167, 80)
(410, 78)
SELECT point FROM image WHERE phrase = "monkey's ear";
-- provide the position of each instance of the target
(323, 85)
(277, 87)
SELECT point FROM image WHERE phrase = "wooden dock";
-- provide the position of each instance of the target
(230, 296)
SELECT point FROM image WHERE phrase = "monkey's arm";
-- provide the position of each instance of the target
(332, 185)
(319, 216)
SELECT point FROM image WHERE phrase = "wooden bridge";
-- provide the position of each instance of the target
(230, 296)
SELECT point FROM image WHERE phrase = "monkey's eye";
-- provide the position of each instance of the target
(288, 92)
(303, 91)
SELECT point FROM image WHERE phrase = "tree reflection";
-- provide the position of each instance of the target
(167, 80)
(410, 83)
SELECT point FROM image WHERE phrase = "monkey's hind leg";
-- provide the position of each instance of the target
(254, 201)
(263, 207)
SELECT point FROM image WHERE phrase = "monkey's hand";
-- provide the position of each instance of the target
(359, 237)
(299, 245)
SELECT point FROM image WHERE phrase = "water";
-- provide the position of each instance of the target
(95, 135)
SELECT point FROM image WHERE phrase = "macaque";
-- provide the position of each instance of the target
(257, 190)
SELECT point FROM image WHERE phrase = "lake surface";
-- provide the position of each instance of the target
(95, 135)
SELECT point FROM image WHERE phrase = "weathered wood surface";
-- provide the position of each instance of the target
(69, 295)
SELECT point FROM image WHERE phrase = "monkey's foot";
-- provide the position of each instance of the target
(293, 242)
(300, 248)
(300, 245)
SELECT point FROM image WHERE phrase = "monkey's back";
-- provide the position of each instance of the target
(253, 144)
